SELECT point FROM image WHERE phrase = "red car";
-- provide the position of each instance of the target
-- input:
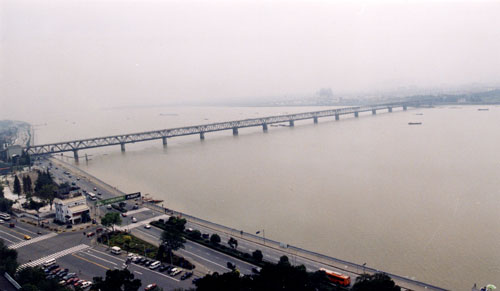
(89, 234)
(150, 287)
(124, 214)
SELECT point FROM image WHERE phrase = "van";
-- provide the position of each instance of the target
(154, 265)
(5, 216)
(49, 263)
(116, 250)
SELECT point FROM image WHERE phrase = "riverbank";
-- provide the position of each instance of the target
(264, 244)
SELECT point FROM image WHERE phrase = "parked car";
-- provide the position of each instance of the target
(175, 272)
(163, 268)
(86, 284)
(148, 262)
(186, 275)
(205, 235)
(135, 207)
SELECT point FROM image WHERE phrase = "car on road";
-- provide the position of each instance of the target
(150, 287)
(78, 178)
(231, 265)
(147, 226)
(186, 275)
(124, 214)
(135, 207)
(134, 220)
(95, 189)
(109, 206)
(73, 183)
(27, 237)
(90, 234)
(205, 235)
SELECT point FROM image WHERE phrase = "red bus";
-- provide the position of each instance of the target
(337, 278)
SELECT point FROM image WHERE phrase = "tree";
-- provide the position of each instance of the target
(232, 242)
(111, 219)
(257, 255)
(284, 261)
(47, 193)
(215, 239)
(27, 185)
(196, 234)
(17, 186)
(173, 240)
(178, 224)
(8, 263)
(5, 205)
(33, 279)
(377, 281)
(117, 280)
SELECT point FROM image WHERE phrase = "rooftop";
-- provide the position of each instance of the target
(70, 200)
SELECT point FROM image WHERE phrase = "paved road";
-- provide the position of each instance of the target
(206, 260)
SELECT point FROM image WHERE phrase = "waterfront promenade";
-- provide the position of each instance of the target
(249, 242)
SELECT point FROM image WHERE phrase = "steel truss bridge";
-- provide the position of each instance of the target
(164, 134)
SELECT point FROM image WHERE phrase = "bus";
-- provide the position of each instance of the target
(337, 278)
(91, 196)
(5, 216)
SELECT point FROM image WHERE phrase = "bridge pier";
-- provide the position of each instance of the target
(389, 109)
(75, 155)
(164, 141)
(202, 135)
(292, 123)
(405, 108)
(337, 116)
(356, 114)
(315, 118)
(264, 126)
(374, 111)
(122, 146)
(235, 131)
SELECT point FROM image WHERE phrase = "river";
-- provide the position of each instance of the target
(417, 200)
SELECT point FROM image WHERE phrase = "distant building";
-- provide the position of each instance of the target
(71, 210)
(15, 150)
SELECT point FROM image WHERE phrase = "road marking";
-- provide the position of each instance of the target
(193, 254)
(54, 256)
(114, 257)
(92, 262)
(142, 222)
(26, 230)
(138, 272)
(11, 235)
(7, 240)
(86, 253)
(157, 273)
(33, 240)
(141, 231)
(137, 211)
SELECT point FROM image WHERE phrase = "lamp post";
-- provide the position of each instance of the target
(263, 235)
(364, 264)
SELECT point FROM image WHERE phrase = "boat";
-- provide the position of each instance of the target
(483, 109)
(414, 123)
(419, 114)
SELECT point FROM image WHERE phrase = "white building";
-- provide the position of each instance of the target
(71, 210)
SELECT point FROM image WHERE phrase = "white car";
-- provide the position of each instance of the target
(134, 219)
(1, 221)
(147, 226)
(86, 284)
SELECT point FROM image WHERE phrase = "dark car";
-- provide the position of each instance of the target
(89, 234)
(163, 268)
(53, 267)
(205, 235)
(231, 265)
(142, 261)
(148, 262)
(186, 275)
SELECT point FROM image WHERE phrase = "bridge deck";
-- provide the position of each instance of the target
(122, 139)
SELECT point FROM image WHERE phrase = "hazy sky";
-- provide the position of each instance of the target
(105, 53)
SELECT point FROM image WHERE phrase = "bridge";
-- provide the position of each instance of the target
(164, 134)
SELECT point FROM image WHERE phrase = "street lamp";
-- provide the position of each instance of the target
(364, 264)
(263, 235)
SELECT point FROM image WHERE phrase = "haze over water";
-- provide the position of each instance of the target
(418, 201)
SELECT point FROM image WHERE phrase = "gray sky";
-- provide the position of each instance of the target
(110, 53)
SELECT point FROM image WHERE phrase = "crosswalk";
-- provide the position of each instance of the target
(63, 253)
(33, 240)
